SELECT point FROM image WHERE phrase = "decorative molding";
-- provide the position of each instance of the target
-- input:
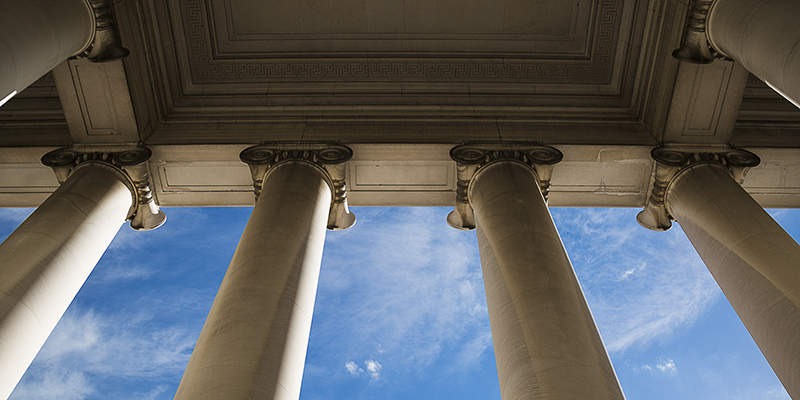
(670, 162)
(695, 46)
(131, 164)
(470, 158)
(329, 158)
(206, 69)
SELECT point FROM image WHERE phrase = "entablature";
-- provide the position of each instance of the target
(398, 175)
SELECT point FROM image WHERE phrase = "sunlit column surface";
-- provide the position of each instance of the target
(755, 262)
(545, 339)
(254, 342)
(762, 35)
(37, 35)
(47, 259)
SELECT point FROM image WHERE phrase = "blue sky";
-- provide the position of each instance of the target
(400, 312)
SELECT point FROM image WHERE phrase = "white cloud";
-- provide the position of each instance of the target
(373, 369)
(627, 273)
(667, 366)
(352, 368)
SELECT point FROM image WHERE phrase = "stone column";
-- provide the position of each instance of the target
(46, 260)
(754, 261)
(253, 344)
(35, 36)
(546, 342)
(762, 35)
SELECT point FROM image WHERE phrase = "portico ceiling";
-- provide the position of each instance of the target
(404, 62)
(404, 80)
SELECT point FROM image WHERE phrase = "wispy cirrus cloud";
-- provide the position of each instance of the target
(130, 331)
(55, 384)
(86, 345)
(408, 291)
(14, 216)
(641, 286)
(417, 291)
(400, 294)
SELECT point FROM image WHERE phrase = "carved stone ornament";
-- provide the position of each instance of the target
(695, 46)
(471, 157)
(670, 162)
(329, 158)
(130, 164)
(106, 44)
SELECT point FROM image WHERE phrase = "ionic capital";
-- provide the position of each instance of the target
(329, 158)
(672, 162)
(470, 158)
(696, 47)
(105, 44)
(131, 166)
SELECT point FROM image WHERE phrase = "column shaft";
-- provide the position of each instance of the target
(254, 342)
(47, 259)
(545, 339)
(755, 262)
(37, 35)
(763, 36)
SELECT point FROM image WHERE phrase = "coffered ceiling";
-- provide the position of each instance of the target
(444, 58)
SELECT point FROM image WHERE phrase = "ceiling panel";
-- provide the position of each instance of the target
(279, 58)
(539, 27)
